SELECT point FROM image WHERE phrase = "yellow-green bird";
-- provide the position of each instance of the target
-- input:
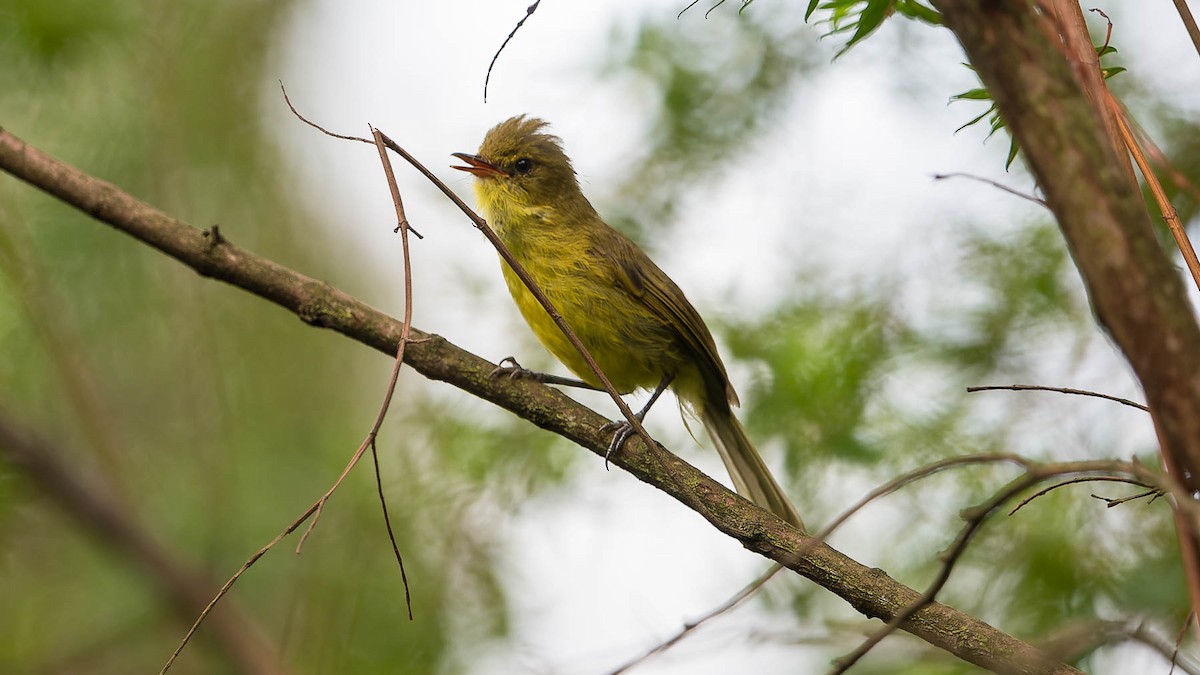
(637, 324)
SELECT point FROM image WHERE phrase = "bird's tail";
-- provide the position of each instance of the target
(751, 478)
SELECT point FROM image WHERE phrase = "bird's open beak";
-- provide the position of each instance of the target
(478, 166)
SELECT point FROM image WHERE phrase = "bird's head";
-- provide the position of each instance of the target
(520, 165)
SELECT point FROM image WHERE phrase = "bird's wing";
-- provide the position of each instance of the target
(644, 280)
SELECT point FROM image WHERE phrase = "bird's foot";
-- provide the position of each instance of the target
(508, 367)
(622, 430)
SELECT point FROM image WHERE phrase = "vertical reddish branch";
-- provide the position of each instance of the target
(1133, 287)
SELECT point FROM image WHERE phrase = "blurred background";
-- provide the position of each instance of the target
(788, 192)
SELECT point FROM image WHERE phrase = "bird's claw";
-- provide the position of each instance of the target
(509, 367)
(622, 430)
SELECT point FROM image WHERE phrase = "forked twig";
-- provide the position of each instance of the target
(975, 517)
(314, 512)
(1073, 481)
(824, 533)
(403, 228)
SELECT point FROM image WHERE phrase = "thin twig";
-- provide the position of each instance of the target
(975, 518)
(690, 5)
(1152, 493)
(1034, 473)
(1160, 196)
(528, 13)
(989, 181)
(690, 626)
(314, 511)
(1163, 163)
(824, 533)
(1061, 390)
(229, 584)
(1108, 33)
(710, 9)
(1077, 639)
(405, 335)
(1072, 481)
(314, 125)
(344, 137)
(1189, 22)
(1179, 640)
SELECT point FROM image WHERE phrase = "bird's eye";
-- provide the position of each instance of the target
(523, 165)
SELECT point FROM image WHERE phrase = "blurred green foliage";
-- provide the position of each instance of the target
(716, 87)
(213, 417)
(861, 18)
(217, 419)
(830, 386)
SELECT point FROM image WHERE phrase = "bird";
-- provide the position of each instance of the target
(634, 320)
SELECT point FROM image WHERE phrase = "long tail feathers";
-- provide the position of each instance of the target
(751, 478)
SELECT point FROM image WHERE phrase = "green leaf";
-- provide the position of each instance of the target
(976, 120)
(869, 19)
(1012, 152)
(915, 10)
(979, 94)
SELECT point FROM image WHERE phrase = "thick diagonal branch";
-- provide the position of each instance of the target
(870, 591)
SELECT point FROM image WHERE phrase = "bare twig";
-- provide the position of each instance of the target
(528, 13)
(999, 186)
(1160, 196)
(1152, 493)
(1189, 22)
(1163, 163)
(737, 599)
(975, 517)
(690, 5)
(1108, 32)
(1077, 639)
(1061, 390)
(714, 7)
(403, 228)
(314, 511)
(360, 139)
(825, 532)
(1073, 481)
(314, 125)
(1179, 640)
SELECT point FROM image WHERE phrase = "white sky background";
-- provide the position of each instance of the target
(593, 572)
